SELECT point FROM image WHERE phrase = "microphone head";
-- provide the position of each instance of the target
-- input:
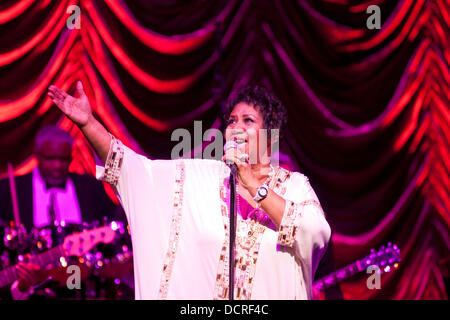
(230, 145)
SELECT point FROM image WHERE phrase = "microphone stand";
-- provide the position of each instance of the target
(233, 216)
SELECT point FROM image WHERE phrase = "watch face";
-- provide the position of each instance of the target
(262, 192)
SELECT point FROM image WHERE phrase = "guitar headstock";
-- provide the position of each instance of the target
(79, 243)
(385, 257)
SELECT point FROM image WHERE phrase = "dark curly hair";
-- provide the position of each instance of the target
(273, 112)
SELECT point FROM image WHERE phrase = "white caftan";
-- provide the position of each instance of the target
(178, 217)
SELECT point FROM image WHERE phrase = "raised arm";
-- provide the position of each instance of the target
(79, 111)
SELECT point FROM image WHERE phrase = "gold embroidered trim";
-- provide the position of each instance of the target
(278, 183)
(288, 227)
(314, 203)
(249, 234)
(221, 287)
(174, 231)
(113, 161)
(248, 241)
(286, 234)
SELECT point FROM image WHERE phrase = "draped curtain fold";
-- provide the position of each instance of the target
(368, 109)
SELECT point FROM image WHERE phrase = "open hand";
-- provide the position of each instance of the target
(76, 109)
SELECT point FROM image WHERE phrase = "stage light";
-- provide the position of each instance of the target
(114, 226)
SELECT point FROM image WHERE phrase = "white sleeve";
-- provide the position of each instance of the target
(136, 179)
(304, 226)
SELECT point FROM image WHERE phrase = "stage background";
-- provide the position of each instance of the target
(368, 109)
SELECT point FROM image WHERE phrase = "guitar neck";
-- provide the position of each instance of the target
(9, 275)
(385, 256)
(340, 275)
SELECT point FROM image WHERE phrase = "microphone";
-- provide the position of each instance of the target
(231, 145)
(233, 218)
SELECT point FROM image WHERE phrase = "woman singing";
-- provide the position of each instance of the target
(177, 210)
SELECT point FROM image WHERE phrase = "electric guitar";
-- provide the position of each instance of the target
(386, 259)
(75, 245)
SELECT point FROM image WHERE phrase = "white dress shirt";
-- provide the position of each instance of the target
(66, 204)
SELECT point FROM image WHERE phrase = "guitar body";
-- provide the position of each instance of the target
(61, 274)
(55, 262)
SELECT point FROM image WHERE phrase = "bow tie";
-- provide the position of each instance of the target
(59, 186)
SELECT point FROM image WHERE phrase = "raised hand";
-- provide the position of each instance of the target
(76, 109)
(79, 111)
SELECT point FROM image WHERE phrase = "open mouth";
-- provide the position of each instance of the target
(240, 140)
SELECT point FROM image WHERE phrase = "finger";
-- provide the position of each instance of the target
(21, 266)
(233, 152)
(23, 274)
(61, 95)
(244, 157)
(35, 268)
(24, 267)
(58, 102)
(233, 159)
(57, 97)
(24, 271)
(19, 271)
(80, 88)
(239, 159)
(229, 156)
(52, 89)
(55, 89)
(29, 276)
(58, 92)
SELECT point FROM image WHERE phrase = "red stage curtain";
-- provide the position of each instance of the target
(368, 109)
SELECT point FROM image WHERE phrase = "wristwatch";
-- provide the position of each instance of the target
(261, 193)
